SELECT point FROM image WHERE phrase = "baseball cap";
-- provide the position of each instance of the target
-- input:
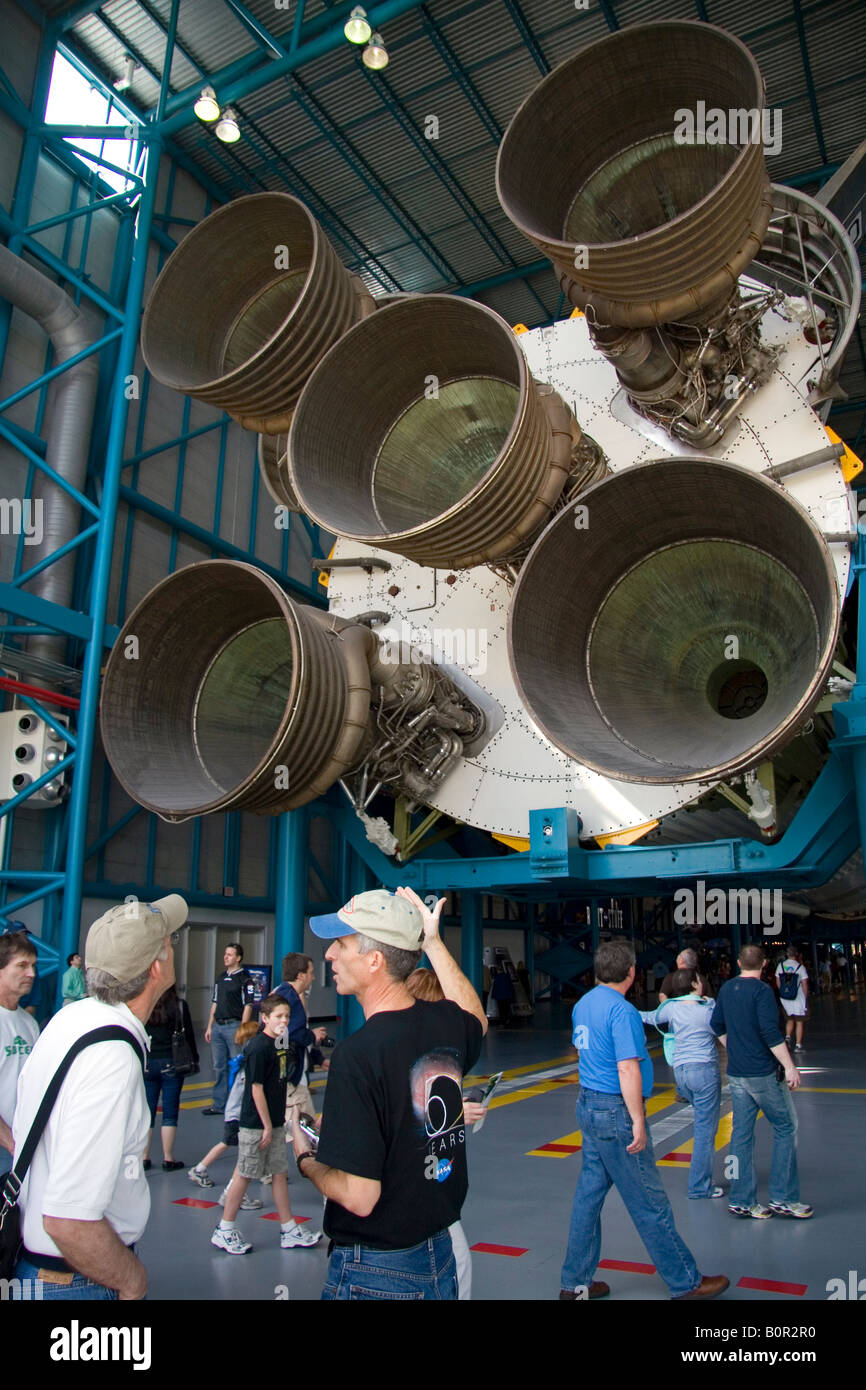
(380, 915)
(127, 939)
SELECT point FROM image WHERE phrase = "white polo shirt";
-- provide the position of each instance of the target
(87, 1165)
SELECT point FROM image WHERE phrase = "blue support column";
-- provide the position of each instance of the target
(290, 892)
(529, 947)
(471, 939)
(357, 878)
(80, 792)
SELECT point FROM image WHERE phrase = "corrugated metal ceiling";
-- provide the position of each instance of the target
(340, 136)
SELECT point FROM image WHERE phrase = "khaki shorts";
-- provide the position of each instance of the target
(255, 1162)
(298, 1096)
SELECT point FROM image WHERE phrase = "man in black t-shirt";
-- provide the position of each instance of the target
(231, 1005)
(392, 1158)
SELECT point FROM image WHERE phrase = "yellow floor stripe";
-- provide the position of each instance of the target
(654, 1104)
(723, 1138)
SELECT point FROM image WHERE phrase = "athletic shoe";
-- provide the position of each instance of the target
(597, 1290)
(798, 1047)
(756, 1211)
(200, 1176)
(296, 1235)
(798, 1209)
(248, 1204)
(713, 1192)
(717, 1192)
(146, 1164)
(710, 1287)
(267, 1179)
(212, 1110)
(231, 1241)
(172, 1165)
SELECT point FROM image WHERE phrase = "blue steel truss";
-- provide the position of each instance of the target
(830, 825)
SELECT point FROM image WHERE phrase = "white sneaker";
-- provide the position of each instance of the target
(798, 1209)
(231, 1241)
(248, 1204)
(200, 1176)
(296, 1235)
(756, 1211)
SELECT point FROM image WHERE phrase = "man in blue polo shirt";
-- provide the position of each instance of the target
(616, 1076)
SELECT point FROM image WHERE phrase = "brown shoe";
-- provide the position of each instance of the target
(596, 1290)
(711, 1286)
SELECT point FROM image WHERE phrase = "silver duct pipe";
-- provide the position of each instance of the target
(72, 397)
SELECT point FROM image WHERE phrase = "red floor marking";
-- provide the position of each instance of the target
(677, 1158)
(275, 1216)
(629, 1266)
(485, 1249)
(559, 1148)
(193, 1202)
(772, 1286)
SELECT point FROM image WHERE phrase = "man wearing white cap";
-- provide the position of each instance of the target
(84, 1201)
(391, 1159)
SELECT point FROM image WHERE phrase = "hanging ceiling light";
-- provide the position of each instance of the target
(123, 83)
(375, 55)
(227, 128)
(356, 29)
(207, 108)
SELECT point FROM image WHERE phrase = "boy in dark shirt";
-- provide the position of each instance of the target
(262, 1135)
(747, 1021)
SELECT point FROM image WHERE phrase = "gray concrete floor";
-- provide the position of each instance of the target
(523, 1201)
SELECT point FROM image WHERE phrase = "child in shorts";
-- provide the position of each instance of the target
(199, 1174)
(261, 1134)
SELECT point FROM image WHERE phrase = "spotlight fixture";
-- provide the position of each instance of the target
(207, 108)
(125, 82)
(356, 29)
(375, 55)
(227, 128)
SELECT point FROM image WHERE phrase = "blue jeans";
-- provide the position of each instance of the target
(160, 1075)
(701, 1084)
(425, 1271)
(751, 1094)
(607, 1131)
(80, 1288)
(222, 1048)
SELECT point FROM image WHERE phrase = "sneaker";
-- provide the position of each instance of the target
(798, 1047)
(713, 1192)
(267, 1180)
(172, 1165)
(231, 1241)
(756, 1211)
(248, 1204)
(798, 1209)
(146, 1164)
(212, 1110)
(717, 1192)
(296, 1235)
(200, 1176)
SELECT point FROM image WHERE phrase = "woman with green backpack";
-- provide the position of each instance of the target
(690, 1048)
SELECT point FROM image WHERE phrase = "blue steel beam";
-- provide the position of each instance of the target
(810, 81)
(215, 542)
(90, 680)
(39, 610)
(532, 45)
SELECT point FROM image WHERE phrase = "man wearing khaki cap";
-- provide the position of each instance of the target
(84, 1201)
(391, 1159)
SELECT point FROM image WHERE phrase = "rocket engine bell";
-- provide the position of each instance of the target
(241, 699)
(422, 431)
(679, 626)
(647, 221)
(246, 306)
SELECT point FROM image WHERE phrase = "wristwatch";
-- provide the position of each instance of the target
(308, 1153)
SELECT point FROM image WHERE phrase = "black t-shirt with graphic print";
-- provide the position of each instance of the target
(393, 1112)
(265, 1064)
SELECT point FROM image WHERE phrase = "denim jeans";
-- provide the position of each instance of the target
(425, 1271)
(701, 1084)
(80, 1288)
(607, 1131)
(222, 1048)
(161, 1076)
(751, 1094)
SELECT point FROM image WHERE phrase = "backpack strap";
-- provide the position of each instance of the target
(111, 1032)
